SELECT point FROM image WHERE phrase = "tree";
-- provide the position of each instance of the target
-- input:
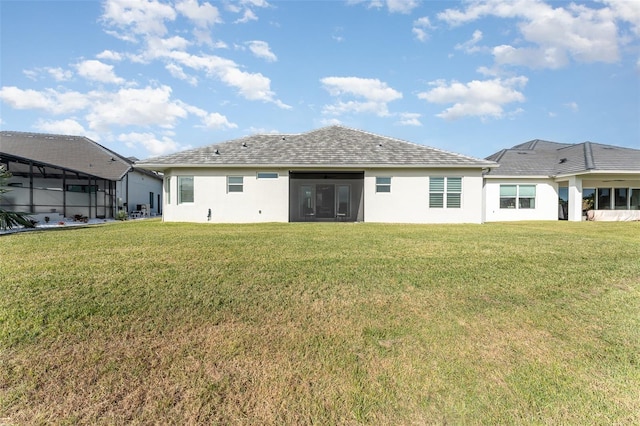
(9, 219)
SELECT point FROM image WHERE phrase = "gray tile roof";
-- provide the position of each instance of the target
(334, 146)
(544, 158)
(75, 153)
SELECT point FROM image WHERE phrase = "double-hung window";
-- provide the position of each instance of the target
(185, 189)
(445, 191)
(235, 183)
(517, 196)
(383, 184)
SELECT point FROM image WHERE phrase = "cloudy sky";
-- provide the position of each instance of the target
(147, 77)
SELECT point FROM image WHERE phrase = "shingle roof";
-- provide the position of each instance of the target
(544, 158)
(334, 146)
(76, 153)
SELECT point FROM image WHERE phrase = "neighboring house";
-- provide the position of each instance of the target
(329, 174)
(67, 176)
(541, 180)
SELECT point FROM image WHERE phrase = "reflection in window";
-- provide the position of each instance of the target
(604, 199)
(588, 199)
(620, 198)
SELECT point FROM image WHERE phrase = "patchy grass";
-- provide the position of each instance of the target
(146, 322)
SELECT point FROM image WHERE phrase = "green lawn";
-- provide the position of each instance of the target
(151, 323)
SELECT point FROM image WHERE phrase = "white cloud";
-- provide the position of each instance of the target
(135, 107)
(140, 17)
(178, 72)
(409, 119)
(59, 74)
(376, 95)
(49, 100)
(573, 106)
(578, 32)
(248, 16)
(476, 98)
(252, 86)
(98, 71)
(368, 88)
(261, 50)
(402, 6)
(150, 142)
(420, 27)
(393, 6)
(471, 45)
(67, 126)
(203, 16)
(109, 55)
(216, 121)
(627, 11)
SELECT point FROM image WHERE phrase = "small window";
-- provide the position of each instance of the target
(235, 183)
(167, 189)
(150, 200)
(267, 175)
(383, 184)
(185, 189)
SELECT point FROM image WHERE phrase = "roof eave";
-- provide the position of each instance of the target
(159, 167)
(598, 172)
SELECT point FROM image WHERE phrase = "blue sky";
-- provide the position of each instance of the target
(146, 77)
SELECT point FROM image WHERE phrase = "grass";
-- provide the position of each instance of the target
(147, 322)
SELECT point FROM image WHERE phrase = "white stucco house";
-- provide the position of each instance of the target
(62, 176)
(542, 180)
(329, 174)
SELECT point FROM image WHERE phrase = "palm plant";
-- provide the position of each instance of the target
(8, 219)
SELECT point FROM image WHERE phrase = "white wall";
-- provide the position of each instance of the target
(262, 200)
(267, 200)
(408, 201)
(139, 186)
(546, 201)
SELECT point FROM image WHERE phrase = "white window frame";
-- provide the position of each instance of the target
(383, 184)
(449, 193)
(518, 197)
(180, 192)
(267, 175)
(235, 182)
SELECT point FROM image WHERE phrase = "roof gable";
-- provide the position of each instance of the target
(334, 146)
(76, 153)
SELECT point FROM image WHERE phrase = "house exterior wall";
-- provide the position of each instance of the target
(408, 200)
(261, 200)
(546, 201)
(268, 200)
(135, 190)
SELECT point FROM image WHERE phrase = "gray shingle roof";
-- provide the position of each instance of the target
(544, 158)
(74, 153)
(334, 146)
